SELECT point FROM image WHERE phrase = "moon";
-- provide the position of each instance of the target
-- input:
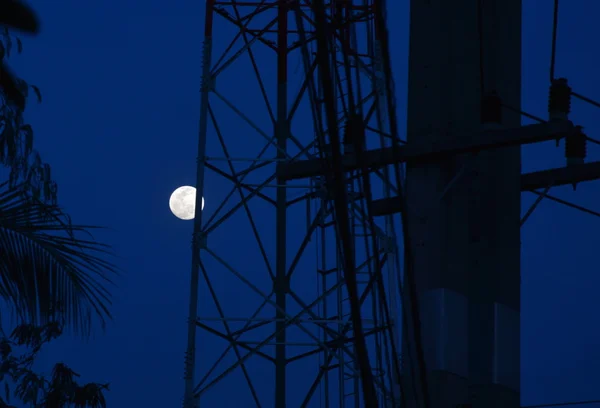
(183, 203)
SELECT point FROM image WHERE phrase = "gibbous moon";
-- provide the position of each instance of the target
(183, 202)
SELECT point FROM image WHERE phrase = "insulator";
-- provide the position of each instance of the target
(575, 146)
(491, 109)
(559, 102)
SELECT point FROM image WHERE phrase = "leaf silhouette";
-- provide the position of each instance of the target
(16, 15)
(37, 92)
(46, 263)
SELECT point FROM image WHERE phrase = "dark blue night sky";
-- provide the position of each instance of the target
(119, 125)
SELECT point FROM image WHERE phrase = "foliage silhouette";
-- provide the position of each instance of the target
(44, 262)
(22, 383)
(45, 269)
(43, 258)
(15, 15)
(16, 136)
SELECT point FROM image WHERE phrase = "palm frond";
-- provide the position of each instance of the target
(89, 396)
(44, 263)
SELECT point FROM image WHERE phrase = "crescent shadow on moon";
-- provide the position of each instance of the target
(183, 202)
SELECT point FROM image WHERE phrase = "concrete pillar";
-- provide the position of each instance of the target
(466, 242)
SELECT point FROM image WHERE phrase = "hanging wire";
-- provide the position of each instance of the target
(592, 140)
(586, 99)
(554, 35)
(525, 114)
(567, 203)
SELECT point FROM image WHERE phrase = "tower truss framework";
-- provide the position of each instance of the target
(274, 306)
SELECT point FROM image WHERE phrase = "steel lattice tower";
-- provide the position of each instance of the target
(308, 79)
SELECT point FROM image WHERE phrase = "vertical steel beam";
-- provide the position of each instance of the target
(281, 280)
(189, 401)
(466, 246)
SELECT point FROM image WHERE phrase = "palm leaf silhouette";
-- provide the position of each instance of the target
(45, 264)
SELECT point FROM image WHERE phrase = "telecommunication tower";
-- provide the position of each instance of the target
(312, 88)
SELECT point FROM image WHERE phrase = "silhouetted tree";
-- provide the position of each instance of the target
(16, 15)
(16, 136)
(44, 259)
(23, 384)
(49, 276)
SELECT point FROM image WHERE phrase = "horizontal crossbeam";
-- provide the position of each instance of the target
(560, 176)
(487, 140)
(529, 181)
